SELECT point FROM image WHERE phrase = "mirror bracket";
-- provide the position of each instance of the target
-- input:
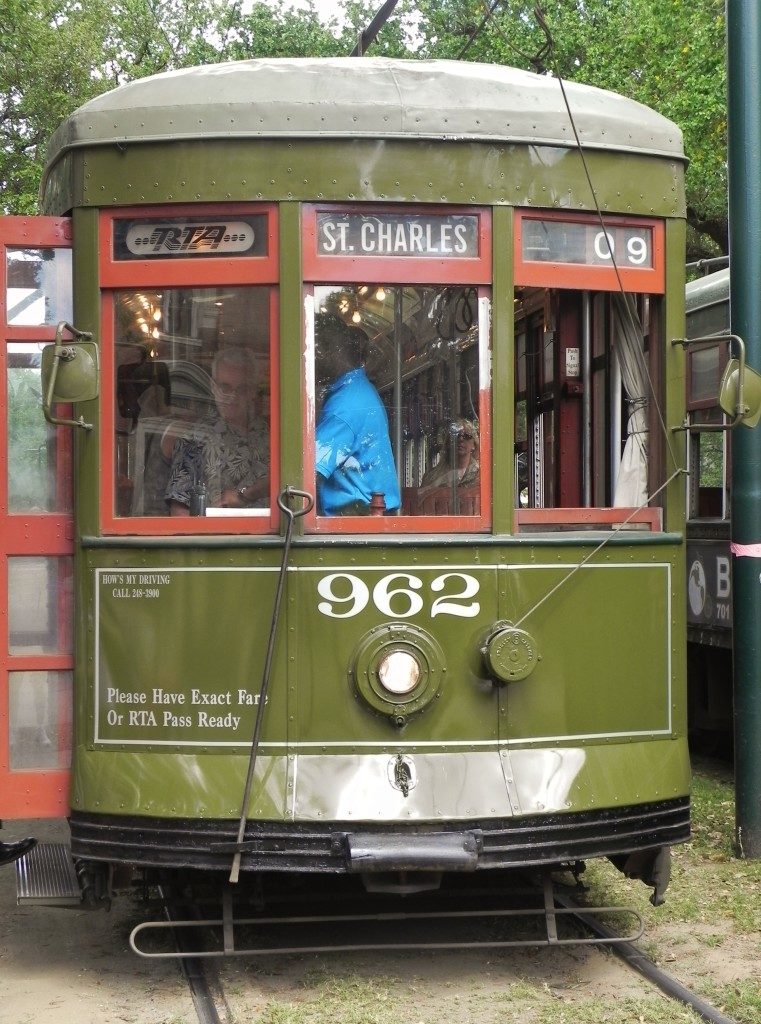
(66, 354)
(736, 407)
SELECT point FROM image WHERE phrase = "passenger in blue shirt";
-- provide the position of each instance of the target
(353, 456)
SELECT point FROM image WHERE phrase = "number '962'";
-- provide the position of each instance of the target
(399, 595)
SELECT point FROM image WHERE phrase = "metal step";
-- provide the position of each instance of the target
(46, 876)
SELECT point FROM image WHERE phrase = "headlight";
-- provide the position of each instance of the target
(399, 672)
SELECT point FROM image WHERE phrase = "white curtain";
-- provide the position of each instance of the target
(629, 347)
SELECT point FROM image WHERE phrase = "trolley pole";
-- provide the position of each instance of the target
(744, 103)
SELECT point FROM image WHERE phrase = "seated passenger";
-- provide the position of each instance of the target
(466, 468)
(353, 457)
(224, 462)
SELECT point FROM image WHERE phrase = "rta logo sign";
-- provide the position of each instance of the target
(195, 239)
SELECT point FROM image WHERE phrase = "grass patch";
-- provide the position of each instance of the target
(348, 1000)
(712, 817)
(618, 1011)
(740, 1000)
(357, 1001)
(708, 884)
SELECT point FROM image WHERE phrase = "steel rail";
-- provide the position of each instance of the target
(637, 960)
(193, 970)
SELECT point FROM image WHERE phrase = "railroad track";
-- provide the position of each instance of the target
(201, 976)
(639, 962)
(199, 965)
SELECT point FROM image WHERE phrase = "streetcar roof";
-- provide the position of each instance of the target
(355, 97)
(707, 291)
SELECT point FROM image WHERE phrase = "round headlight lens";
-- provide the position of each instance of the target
(399, 672)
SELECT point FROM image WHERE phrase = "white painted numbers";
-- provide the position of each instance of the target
(636, 249)
(399, 595)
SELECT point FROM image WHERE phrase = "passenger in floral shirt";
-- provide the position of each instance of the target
(225, 460)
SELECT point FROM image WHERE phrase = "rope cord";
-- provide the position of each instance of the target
(635, 404)
(634, 324)
(574, 569)
(538, 62)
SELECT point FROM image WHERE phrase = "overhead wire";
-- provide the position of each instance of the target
(539, 62)
(488, 14)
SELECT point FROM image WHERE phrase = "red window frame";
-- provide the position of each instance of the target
(188, 272)
(591, 277)
(31, 793)
(650, 519)
(322, 269)
(319, 268)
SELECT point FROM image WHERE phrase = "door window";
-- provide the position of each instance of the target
(38, 286)
(36, 527)
(39, 465)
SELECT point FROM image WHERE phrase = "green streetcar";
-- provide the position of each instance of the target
(477, 664)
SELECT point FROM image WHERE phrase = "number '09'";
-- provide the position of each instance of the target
(636, 248)
(397, 595)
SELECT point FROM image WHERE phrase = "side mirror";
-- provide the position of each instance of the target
(740, 392)
(69, 374)
(740, 389)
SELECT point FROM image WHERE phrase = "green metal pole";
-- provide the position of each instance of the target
(744, 89)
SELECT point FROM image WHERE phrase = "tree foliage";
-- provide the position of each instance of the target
(61, 53)
(668, 54)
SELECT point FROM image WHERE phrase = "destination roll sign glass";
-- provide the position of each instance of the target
(396, 234)
(556, 241)
(190, 237)
(587, 252)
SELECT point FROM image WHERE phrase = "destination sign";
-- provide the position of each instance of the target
(587, 244)
(190, 237)
(395, 234)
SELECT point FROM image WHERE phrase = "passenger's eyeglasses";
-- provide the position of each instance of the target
(231, 390)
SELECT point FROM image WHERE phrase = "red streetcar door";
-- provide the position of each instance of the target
(36, 527)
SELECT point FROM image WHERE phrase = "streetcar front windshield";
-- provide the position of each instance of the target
(192, 432)
(397, 400)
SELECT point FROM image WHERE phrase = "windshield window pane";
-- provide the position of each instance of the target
(397, 391)
(192, 394)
